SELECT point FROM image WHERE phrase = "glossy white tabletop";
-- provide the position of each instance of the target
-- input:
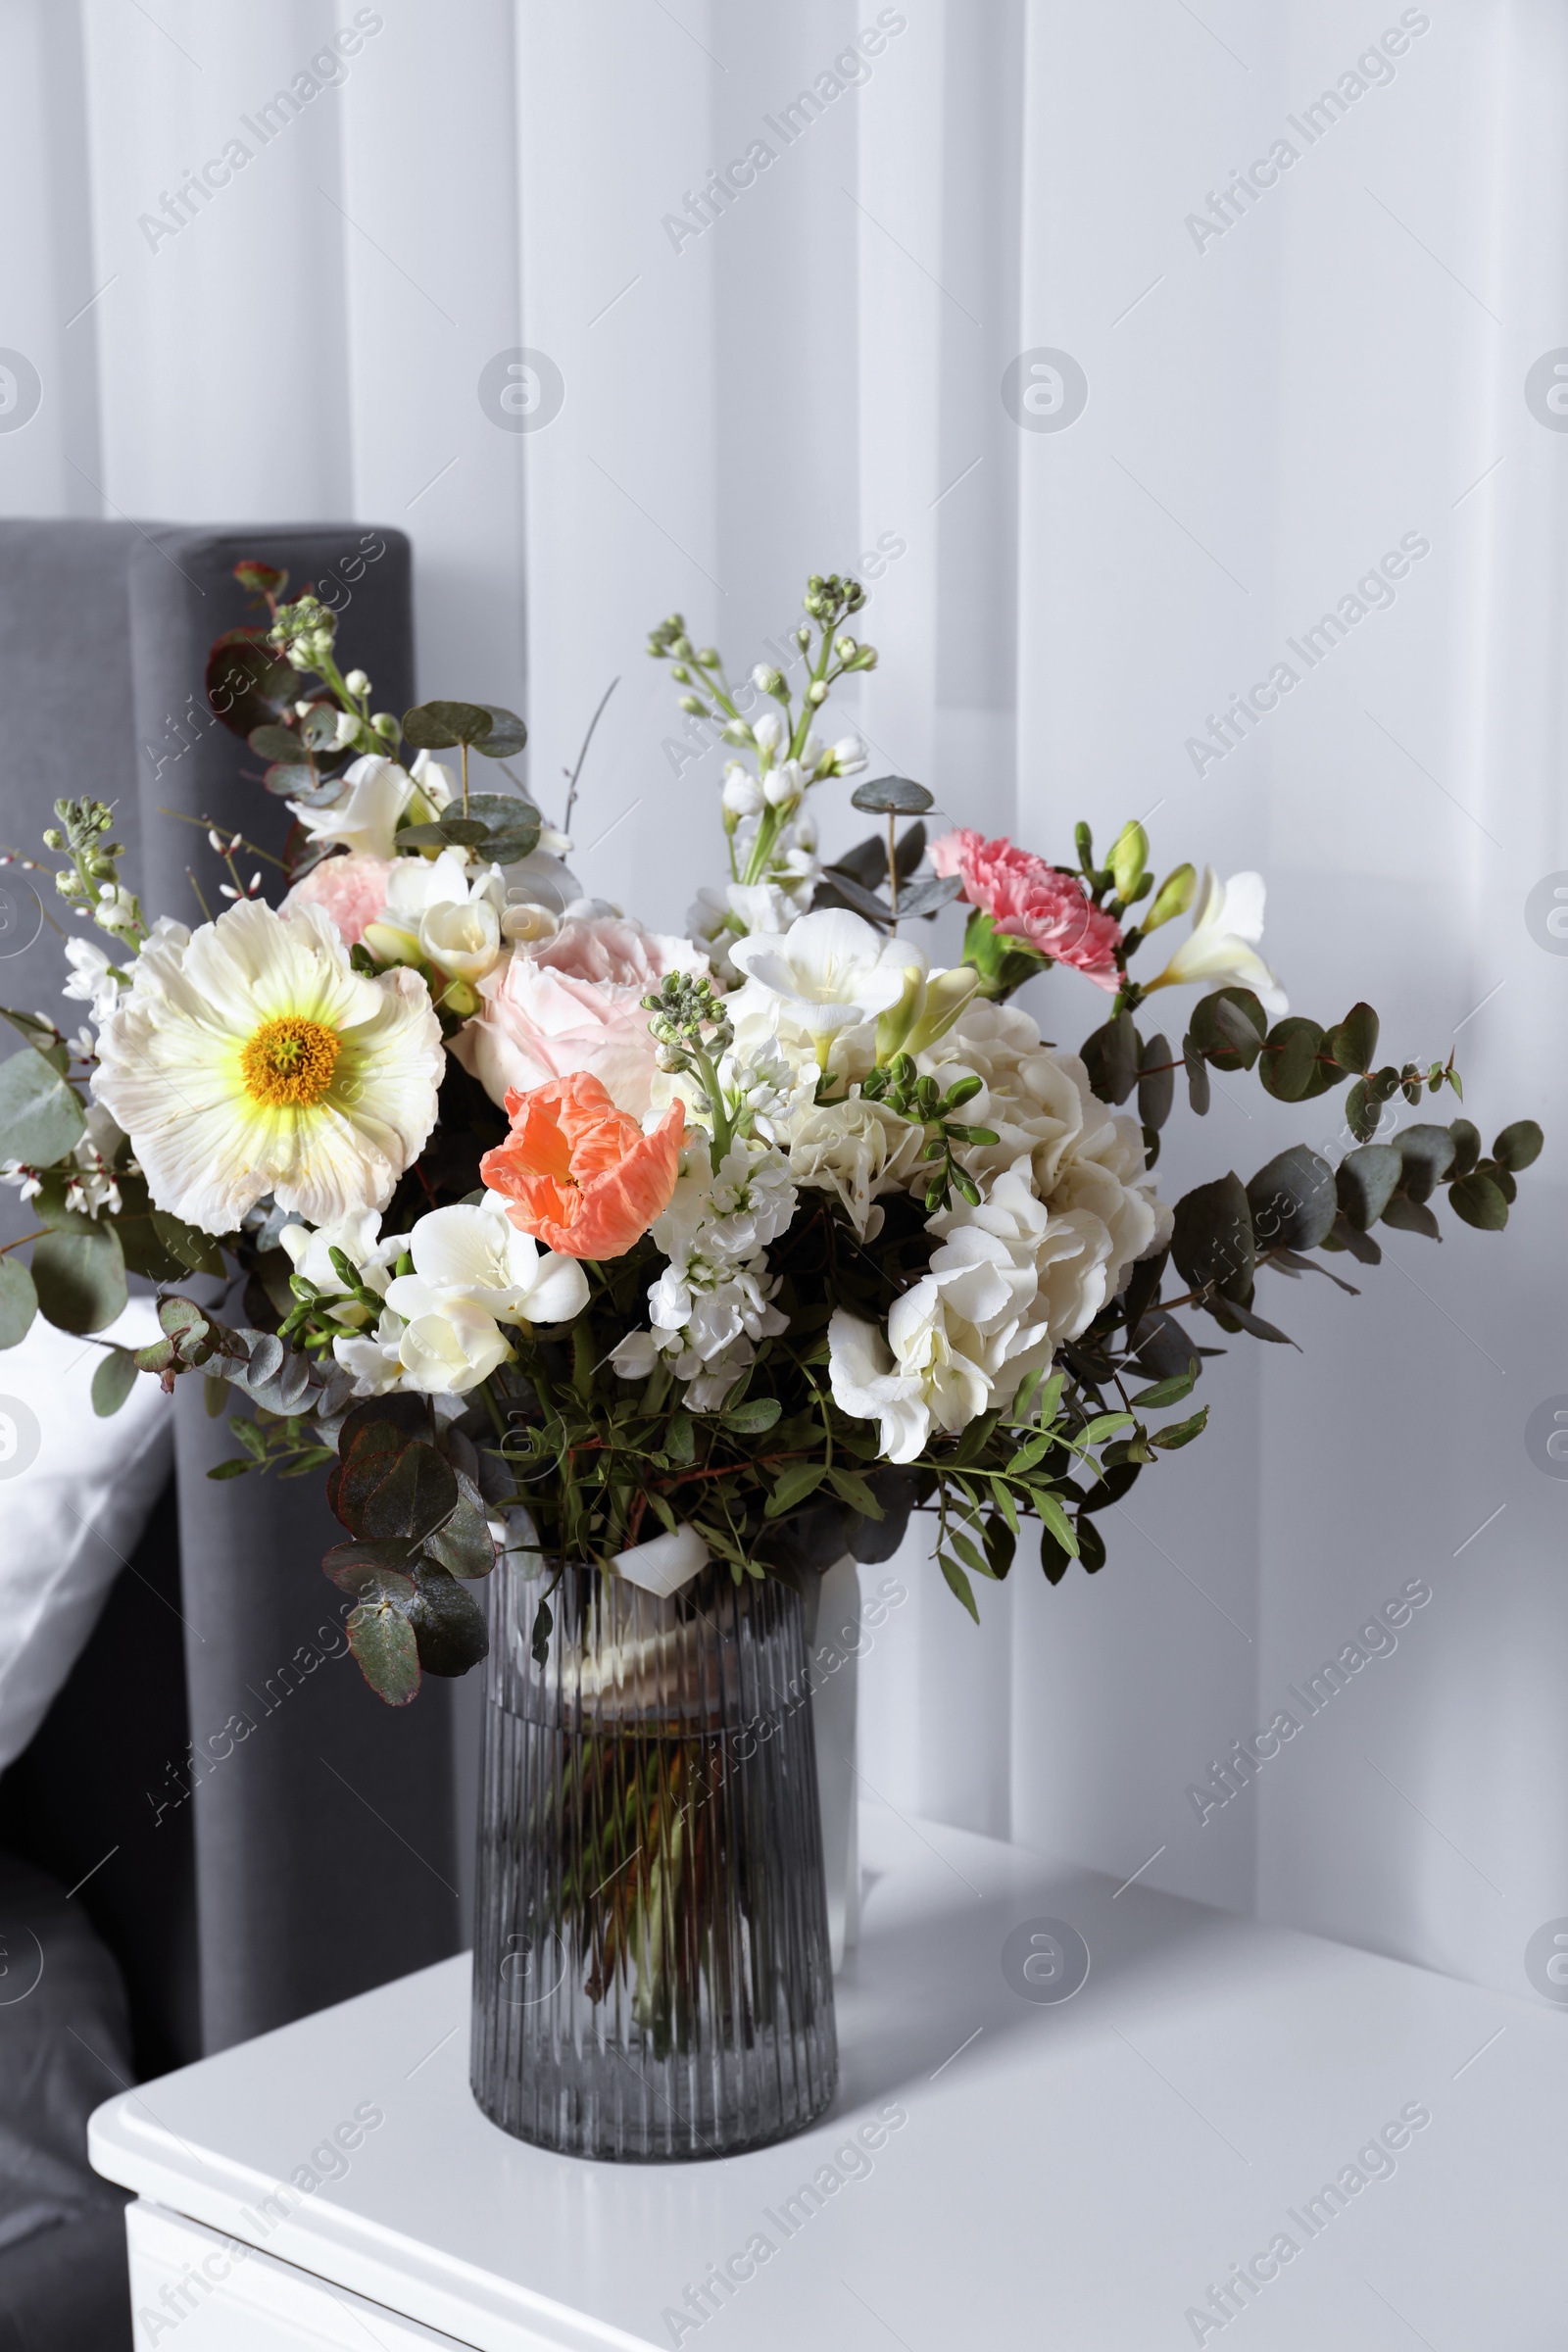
(1078, 2174)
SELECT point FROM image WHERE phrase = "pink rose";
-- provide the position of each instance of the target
(1034, 903)
(351, 891)
(574, 1003)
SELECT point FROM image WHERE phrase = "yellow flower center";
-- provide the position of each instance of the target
(288, 1063)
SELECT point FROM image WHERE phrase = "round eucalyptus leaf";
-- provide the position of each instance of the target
(18, 1301)
(507, 733)
(438, 726)
(466, 832)
(275, 742)
(892, 796)
(247, 685)
(112, 1382)
(79, 1279)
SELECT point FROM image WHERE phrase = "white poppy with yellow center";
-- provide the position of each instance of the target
(255, 1060)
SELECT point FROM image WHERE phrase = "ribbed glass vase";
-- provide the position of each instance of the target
(652, 1973)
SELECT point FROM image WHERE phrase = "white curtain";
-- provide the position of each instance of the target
(716, 387)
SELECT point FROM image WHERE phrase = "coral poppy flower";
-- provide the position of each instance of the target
(582, 1176)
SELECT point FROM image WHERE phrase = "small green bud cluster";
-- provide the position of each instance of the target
(91, 883)
(704, 668)
(303, 632)
(827, 599)
(688, 1020)
(899, 1085)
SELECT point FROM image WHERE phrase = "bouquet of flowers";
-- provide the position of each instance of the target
(670, 1256)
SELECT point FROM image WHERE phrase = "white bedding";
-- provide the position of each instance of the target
(75, 1496)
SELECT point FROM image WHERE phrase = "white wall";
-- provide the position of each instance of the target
(819, 371)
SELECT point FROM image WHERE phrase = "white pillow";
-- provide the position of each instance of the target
(75, 1494)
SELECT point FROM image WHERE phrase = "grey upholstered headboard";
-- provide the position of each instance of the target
(324, 1836)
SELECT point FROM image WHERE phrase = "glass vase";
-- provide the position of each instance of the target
(651, 1969)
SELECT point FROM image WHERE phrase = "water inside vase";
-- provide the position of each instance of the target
(651, 1975)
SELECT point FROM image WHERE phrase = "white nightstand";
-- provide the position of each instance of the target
(998, 2171)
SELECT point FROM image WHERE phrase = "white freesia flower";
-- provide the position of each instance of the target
(255, 1059)
(366, 819)
(1220, 950)
(925, 1372)
(473, 1248)
(435, 1341)
(444, 912)
(829, 971)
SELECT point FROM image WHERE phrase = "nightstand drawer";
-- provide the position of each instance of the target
(216, 2294)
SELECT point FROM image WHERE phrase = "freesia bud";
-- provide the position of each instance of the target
(893, 1026)
(769, 732)
(1129, 854)
(388, 944)
(386, 725)
(357, 682)
(528, 925)
(1173, 897)
(816, 692)
(695, 704)
(946, 996)
(769, 681)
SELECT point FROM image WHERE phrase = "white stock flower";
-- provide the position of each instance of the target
(91, 1186)
(829, 971)
(92, 979)
(767, 732)
(729, 1212)
(473, 1249)
(712, 1302)
(1220, 950)
(366, 818)
(255, 1059)
(783, 786)
(115, 910)
(848, 755)
(742, 794)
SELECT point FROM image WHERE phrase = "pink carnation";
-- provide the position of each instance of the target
(574, 1003)
(352, 891)
(1034, 903)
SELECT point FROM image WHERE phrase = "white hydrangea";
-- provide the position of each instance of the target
(1085, 1160)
